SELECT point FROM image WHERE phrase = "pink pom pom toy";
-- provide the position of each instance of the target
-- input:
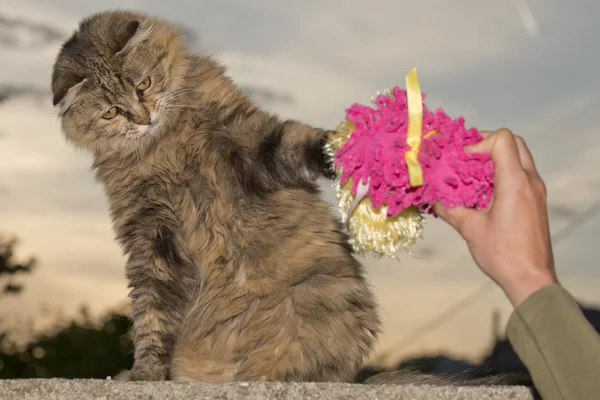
(394, 161)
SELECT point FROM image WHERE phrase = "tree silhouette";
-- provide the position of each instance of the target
(81, 348)
(10, 268)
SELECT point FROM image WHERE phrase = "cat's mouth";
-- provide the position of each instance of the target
(134, 135)
(141, 131)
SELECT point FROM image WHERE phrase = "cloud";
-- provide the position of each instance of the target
(23, 34)
(265, 96)
(9, 92)
(320, 95)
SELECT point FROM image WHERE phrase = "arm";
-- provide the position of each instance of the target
(510, 242)
(267, 153)
(293, 151)
(271, 153)
(557, 343)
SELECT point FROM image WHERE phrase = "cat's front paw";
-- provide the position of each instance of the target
(137, 374)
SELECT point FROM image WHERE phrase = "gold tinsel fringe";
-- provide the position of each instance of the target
(370, 229)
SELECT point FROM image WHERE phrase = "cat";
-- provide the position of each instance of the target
(237, 269)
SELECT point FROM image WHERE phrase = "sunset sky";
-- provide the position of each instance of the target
(530, 66)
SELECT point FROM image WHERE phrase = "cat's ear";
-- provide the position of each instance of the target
(66, 95)
(132, 34)
(123, 34)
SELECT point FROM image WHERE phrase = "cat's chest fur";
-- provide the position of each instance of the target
(172, 189)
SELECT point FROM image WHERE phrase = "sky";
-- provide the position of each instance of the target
(529, 66)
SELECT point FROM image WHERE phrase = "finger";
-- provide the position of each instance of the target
(485, 133)
(525, 156)
(475, 148)
(483, 146)
(503, 150)
(456, 217)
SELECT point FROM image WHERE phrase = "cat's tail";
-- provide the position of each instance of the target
(407, 376)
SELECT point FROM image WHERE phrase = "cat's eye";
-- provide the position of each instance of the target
(110, 114)
(145, 84)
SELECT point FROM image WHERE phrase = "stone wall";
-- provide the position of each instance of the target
(61, 389)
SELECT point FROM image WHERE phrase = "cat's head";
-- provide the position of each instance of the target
(114, 79)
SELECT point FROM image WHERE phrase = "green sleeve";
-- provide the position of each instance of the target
(557, 344)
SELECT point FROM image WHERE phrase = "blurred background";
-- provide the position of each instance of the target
(531, 66)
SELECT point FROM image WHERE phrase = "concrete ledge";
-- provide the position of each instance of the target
(55, 389)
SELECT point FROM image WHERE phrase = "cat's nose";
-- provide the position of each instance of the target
(141, 119)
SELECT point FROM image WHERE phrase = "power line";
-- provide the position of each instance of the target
(566, 231)
(461, 305)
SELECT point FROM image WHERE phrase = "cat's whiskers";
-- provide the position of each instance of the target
(121, 166)
(165, 103)
(183, 106)
(178, 93)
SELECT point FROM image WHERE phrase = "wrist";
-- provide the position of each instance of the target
(519, 289)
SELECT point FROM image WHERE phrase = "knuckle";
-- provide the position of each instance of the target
(541, 187)
(523, 186)
(504, 132)
(522, 144)
(504, 138)
(531, 187)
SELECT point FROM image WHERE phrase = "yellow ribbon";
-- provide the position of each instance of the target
(415, 128)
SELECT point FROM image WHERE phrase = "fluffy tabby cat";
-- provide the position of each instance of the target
(237, 268)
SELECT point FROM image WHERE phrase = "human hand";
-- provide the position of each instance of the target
(509, 239)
